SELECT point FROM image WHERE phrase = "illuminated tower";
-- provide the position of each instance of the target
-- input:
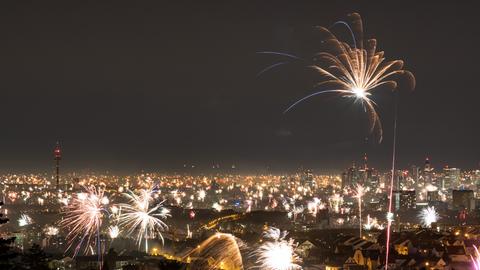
(57, 156)
(427, 167)
(365, 161)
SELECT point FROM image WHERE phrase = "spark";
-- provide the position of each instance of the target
(278, 253)
(113, 231)
(51, 230)
(476, 259)
(222, 251)
(24, 220)
(201, 195)
(351, 71)
(83, 218)
(140, 217)
(217, 207)
(372, 223)
(359, 191)
(295, 211)
(428, 216)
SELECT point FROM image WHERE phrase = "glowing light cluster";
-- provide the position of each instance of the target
(278, 253)
(141, 218)
(83, 218)
(428, 216)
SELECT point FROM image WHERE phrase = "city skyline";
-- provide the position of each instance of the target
(220, 135)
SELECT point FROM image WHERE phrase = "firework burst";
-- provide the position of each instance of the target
(428, 216)
(222, 251)
(140, 217)
(51, 230)
(113, 231)
(83, 218)
(351, 70)
(277, 253)
(24, 220)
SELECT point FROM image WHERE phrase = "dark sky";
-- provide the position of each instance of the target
(126, 86)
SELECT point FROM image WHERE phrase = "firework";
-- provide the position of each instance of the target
(314, 206)
(295, 211)
(359, 191)
(476, 259)
(372, 223)
(140, 217)
(351, 71)
(222, 251)
(335, 201)
(428, 216)
(201, 195)
(83, 219)
(277, 254)
(113, 231)
(51, 230)
(24, 220)
(217, 207)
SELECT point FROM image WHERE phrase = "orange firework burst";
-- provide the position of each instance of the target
(352, 71)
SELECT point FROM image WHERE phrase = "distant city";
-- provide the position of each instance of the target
(239, 135)
(336, 221)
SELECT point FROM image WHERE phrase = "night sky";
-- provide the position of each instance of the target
(131, 86)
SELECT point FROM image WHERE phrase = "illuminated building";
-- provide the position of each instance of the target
(451, 178)
(404, 199)
(351, 177)
(428, 173)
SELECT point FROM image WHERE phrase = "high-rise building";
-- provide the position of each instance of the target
(451, 178)
(351, 177)
(57, 156)
(404, 199)
(414, 171)
(428, 176)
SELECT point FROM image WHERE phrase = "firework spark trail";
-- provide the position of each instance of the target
(428, 216)
(372, 223)
(359, 191)
(140, 217)
(390, 193)
(476, 259)
(223, 248)
(352, 72)
(84, 217)
(277, 253)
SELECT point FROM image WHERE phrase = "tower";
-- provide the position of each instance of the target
(428, 173)
(57, 156)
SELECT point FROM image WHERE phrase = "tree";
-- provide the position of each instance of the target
(35, 258)
(7, 254)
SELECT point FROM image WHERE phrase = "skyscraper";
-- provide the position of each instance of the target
(451, 178)
(428, 173)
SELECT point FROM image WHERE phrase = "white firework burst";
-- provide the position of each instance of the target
(428, 216)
